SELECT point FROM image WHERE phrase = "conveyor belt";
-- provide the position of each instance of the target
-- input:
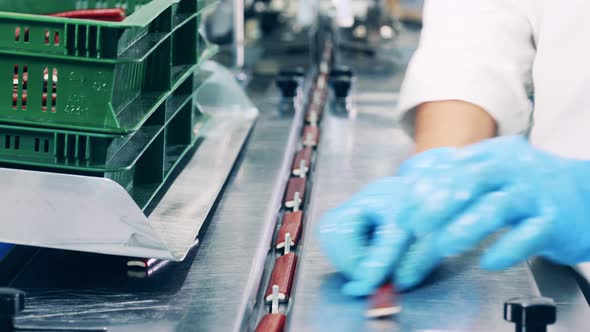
(272, 307)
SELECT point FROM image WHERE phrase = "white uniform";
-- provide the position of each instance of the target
(495, 53)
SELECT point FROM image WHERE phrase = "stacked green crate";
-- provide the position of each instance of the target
(108, 99)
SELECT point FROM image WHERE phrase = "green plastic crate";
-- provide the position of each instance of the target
(104, 77)
(140, 162)
(73, 150)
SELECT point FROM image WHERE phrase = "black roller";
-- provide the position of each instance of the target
(341, 87)
(288, 86)
(531, 314)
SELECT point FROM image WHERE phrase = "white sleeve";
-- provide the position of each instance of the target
(480, 52)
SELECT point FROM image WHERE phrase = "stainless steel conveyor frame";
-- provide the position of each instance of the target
(216, 286)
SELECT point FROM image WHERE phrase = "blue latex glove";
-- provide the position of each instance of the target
(505, 183)
(362, 240)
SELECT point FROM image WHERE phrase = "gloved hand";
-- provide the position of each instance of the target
(542, 199)
(362, 240)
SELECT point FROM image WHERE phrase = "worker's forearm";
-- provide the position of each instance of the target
(451, 123)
